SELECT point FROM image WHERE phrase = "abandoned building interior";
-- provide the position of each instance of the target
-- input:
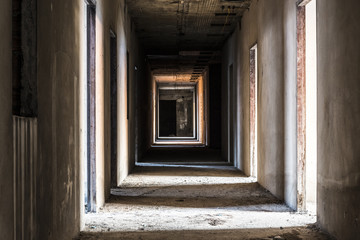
(185, 119)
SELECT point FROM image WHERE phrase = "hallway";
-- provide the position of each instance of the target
(179, 119)
(196, 203)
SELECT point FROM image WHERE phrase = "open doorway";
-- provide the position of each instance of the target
(113, 107)
(231, 116)
(307, 105)
(90, 192)
(177, 112)
(253, 110)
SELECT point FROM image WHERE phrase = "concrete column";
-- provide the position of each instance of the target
(339, 117)
(6, 142)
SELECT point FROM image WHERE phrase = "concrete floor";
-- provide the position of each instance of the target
(196, 203)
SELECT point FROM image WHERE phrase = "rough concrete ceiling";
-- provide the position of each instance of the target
(167, 26)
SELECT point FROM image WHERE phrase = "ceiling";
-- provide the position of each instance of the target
(168, 26)
(184, 36)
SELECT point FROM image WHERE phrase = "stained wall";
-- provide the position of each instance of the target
(339, 117)
(6, 130)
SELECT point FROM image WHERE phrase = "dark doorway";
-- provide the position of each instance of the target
(253, 110)
(215, 105)
(167, 118)
(127, 85)
(90, 199)
(231, 115)
(113, 107)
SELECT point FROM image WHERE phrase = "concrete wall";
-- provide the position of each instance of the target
(272, 25)
(271, 99)
(248, 38)
(6, 143)
(62, 110)
(290, 103)
(129, 130)
(339, 117)
(58, 178)
(230, 92)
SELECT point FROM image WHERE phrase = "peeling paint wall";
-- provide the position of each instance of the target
(338, 32)
(6, 143)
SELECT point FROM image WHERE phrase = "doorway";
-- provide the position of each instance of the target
(113, 107)
(167, 118)
(90, 195)
(253, 110)
(231, 116)
(177, 112)
(307, 105)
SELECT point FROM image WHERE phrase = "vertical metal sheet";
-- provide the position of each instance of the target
(25, 155)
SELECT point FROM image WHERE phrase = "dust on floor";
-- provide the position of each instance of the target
(196, 203)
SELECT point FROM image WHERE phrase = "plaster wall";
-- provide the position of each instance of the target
(248, 38)
(58, 178)
(112, 16)
(338, 33)
(137, 70)
(290, 102)
(272, 26)
(271, 98)
(230, 92)
(6, 131)
(61, 72)
(130, 131)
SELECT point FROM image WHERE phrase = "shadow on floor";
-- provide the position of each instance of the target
(158, 202)
(188, 171)
(293, 233)
(182, 155)
(249, 195)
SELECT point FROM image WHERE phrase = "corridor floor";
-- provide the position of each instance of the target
(196, 203)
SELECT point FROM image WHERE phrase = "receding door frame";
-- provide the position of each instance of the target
(169, 86)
